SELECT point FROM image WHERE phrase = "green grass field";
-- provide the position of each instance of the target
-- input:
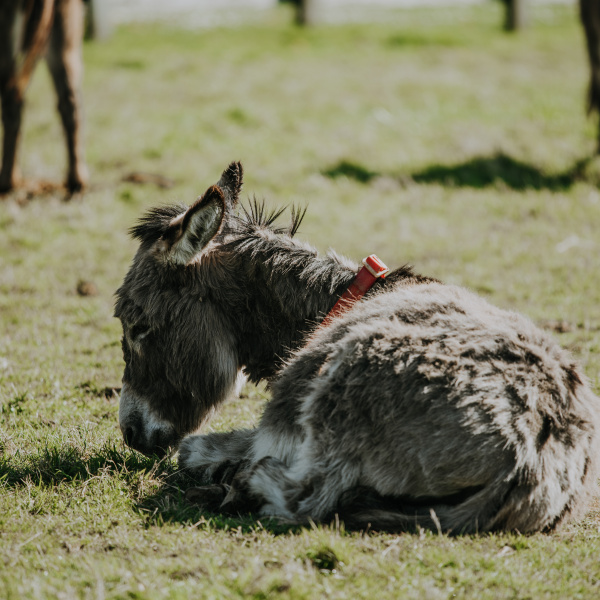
(433, 139)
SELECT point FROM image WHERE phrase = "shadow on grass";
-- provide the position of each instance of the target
(411, 39)
(479, 172)
(351, 170)
(54, 465)
(168, 505)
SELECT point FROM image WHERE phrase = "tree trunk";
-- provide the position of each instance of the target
(307, 12)
(99, 26)
(516, 15)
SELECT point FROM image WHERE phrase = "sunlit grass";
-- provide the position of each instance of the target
(433, 139)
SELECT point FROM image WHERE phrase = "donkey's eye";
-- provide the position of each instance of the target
(139, 331)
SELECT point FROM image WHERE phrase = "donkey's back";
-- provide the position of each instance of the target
(431, 404)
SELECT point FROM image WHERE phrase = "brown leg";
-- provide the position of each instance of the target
(11, 99)
(12, 108)
(66, 66)
(24, 26)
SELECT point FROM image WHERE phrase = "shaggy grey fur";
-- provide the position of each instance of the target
(423, 405)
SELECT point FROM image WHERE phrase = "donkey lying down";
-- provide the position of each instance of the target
(421, 405)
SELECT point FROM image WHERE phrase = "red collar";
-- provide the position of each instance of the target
(372, 270)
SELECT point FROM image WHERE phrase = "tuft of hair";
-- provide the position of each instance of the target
(257, 215)
(155, 222)
(298, 215)
(235, 173)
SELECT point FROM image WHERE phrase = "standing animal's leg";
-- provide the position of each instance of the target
(590, 18)
(66, 66)
(12, 108)
(24, 27)
(12, 101)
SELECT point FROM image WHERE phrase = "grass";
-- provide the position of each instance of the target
(434, 139)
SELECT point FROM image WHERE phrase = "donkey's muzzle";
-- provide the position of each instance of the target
(157, 444)
(141, 429)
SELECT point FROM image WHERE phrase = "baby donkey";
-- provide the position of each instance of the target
(420, 405)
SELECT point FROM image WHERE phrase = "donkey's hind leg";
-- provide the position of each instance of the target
(295, 494)
(66, 66)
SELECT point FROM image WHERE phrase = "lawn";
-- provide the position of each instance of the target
(433, 139)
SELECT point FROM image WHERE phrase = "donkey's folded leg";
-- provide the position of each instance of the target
(296, 495)
(262, 485)
(207, 497)
(216, 457)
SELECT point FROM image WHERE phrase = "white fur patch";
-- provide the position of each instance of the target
(134, 411)
(283, 447)
(198, 454)
(239, 384)
(262, 484)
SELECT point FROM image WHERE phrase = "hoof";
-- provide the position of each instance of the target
(77, 182)
(74, 187)
(6, 186)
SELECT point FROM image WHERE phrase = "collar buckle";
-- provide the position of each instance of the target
(375, 266)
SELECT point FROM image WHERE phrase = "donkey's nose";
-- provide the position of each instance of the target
(129, 434)
(134, 438)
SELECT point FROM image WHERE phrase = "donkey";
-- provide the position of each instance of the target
(28, 28)
(589, 11)
(421, 405)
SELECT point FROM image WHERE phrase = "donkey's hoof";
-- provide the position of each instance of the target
(77, 182)
(208, 497)
(75, 187)
(6, 187)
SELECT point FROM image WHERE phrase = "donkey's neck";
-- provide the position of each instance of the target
(290, 288)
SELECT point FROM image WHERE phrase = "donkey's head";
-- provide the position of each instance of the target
(179, 350)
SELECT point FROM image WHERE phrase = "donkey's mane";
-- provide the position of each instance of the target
(155, 222)
(258, 216)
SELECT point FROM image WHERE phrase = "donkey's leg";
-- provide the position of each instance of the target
(66, 66)
(10, 95)
(24, 28)
(12, 109)
(304, 491)
(216, 457)
(262, 486)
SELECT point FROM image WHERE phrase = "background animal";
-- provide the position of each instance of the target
(30, 29)
(590, 18)
(423, 405)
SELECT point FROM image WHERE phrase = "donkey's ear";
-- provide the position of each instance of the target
(231, 183)
(188, 233)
